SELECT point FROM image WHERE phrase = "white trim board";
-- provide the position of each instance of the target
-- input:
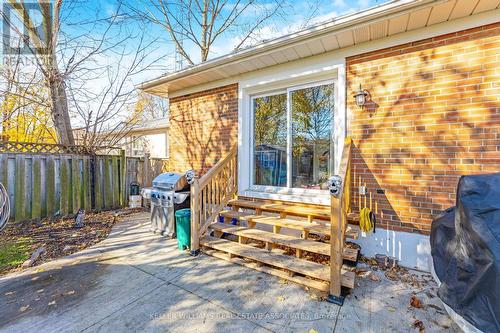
(402, 38)
(309, 198)
(412, 250)
(287, 77)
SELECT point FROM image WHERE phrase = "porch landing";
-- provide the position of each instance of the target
(136, 281)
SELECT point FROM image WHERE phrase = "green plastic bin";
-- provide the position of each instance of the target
(183, 228)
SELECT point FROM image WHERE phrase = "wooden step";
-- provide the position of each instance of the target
(286, 223)
(315, 212)
(316, 284)
(293, 264)
(284, 240)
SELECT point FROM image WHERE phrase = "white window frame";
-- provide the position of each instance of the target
(288, 189)
(280, 78)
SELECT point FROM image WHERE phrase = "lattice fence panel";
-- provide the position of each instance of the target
(48, 148)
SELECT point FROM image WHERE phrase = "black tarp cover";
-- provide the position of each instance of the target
(465, 245)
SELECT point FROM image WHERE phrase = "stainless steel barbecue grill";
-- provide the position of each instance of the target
(170, 192)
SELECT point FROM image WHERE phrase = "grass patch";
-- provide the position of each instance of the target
(14, 253)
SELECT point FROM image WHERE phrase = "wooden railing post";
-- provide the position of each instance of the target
(339, 186)
(195, 217)
(210, 194)
(336, 250)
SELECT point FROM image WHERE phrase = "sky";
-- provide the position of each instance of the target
(76, 15)
(296, 14)
(84, 20)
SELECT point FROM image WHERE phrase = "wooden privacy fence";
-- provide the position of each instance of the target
(144, 169)
(43, 185)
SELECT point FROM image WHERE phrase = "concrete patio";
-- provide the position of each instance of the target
(136, 281)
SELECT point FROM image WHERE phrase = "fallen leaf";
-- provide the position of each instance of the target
(281, 298)
(374, 278)
(415, 302)
(420, 325)
(52, 303)
(9, 293)
(392, 275)
(391, 309)
(360, 271)
(312, 330)
(24, 308)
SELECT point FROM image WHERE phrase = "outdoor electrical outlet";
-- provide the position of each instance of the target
(362, 190)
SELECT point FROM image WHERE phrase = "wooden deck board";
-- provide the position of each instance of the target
(284, 240)
(319, 213)
(319, 285)
(308, 268)
(286, 223)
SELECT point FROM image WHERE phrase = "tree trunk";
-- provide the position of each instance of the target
(60, 112)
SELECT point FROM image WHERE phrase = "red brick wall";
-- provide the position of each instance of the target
(434, 115)
(203, 127)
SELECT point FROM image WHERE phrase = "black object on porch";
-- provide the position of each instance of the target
(465, 245)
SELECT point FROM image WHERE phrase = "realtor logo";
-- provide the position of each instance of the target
(24, 24)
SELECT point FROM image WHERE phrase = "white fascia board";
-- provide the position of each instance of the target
(338, 56)
(349, 21)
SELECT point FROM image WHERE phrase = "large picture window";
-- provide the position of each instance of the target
(270, 138)
(292, 137)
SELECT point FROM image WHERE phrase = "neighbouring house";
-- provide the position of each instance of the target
(149, 137)
(428, 73)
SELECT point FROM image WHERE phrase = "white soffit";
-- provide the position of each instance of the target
(375, 23)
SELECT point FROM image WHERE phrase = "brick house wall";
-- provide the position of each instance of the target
(203, 128)
(434, 115)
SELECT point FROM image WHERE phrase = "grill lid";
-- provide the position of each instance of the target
(170, 181)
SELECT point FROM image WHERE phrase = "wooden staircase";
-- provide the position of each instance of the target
(301, 243)
(270, 250)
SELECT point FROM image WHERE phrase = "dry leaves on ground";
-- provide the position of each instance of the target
(418, 324)
(59, 237)
(415, 302)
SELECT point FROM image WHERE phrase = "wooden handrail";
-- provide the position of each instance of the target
(340, 207)
(207, 176)
(211, 193)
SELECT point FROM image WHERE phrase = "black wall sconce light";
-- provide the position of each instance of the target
(361, 96)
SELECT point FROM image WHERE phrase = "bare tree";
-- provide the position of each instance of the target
(150, 106)
(24, 103)
(42, 43)
(202, 22)
(108, 115)
(87, 69)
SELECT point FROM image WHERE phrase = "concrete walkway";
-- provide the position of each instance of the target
(137, 282)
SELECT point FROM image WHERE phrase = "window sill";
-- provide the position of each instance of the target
(302, 196)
